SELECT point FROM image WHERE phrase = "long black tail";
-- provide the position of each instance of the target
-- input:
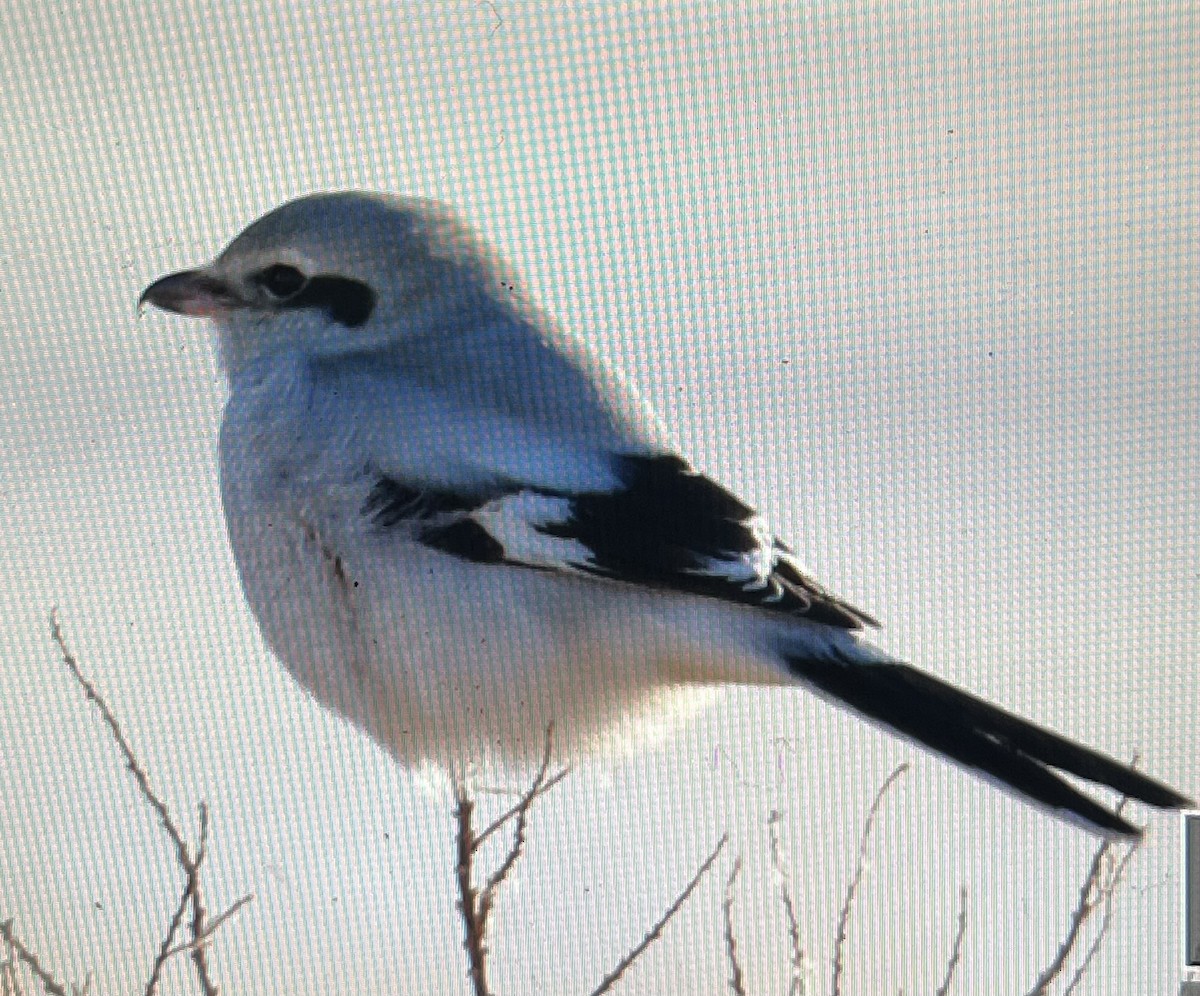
(984, 737)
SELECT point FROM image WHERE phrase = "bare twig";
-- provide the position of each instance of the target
(165, 946)
(839, 950)
(191, 883)
(1091, 894)
(30, 960)
(10, 982)
(191, 864)
(541, 788)
(655, 932)
(199, 923)
(956, 949)
(474, 940)
(213, 926)
(737, 979)
(476, 905)
(1118, 873)
(796, 985)
(1088, 895)
(131, 761)
(1097, 890)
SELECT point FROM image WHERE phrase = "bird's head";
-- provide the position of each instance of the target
(335, 273)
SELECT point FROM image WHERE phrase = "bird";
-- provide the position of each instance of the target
(458, 528)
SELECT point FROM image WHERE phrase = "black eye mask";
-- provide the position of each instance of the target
(348, 302)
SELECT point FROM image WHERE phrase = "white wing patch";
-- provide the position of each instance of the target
(519, 522)
(752, 569)
(516, 521)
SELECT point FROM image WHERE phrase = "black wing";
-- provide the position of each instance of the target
(671, 527)
(666, 527)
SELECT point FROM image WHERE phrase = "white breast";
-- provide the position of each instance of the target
(459, 664)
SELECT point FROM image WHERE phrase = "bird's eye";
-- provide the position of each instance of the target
(281, 281)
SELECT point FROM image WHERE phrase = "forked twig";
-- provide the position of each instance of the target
(213, 926)
(191, 864)
(540, 787)
(1117, 875)
(190, 885)
(474, 941)
(476, 904)
(1093, 893)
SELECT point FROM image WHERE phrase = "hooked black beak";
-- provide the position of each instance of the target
(191, 292)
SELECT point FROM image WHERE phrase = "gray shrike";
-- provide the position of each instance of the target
(456, 527)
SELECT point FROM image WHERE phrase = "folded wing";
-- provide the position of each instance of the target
(663, 526)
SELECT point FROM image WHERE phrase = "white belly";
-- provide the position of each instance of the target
(467, 665)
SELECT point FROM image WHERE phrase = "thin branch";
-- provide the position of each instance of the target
(1092, 894)
(213, 926)
(131, 761)
(1083, 910)
(474, 904)
(10, 983)
(789, 907)
(737, 979)
(165, 946)
(190, 897)
(541, 785)
(474, 940)
(541, 789)
(852, 891)
(29, 959)
(199, 924)
(956, 949)
(655, 932)
(1117, 875)
(190, 864)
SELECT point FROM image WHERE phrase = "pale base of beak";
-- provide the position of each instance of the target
(191, 292)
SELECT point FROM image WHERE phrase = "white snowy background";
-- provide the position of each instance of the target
(924, 286)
